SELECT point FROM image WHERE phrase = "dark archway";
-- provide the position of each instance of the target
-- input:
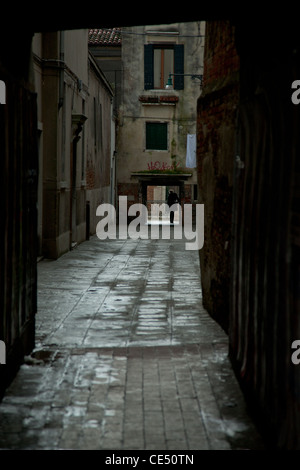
(269, 51)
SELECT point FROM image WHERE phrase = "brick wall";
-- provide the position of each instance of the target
(90, 175)
(221, 58)
(250, 260)
(216, 118)
(132, 191)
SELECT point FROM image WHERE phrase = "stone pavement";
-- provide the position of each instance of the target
(126, 357)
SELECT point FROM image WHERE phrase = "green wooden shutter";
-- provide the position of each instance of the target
(179, 66)
(148, 66)
(156, 136)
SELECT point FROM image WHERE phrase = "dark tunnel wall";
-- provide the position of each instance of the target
(248, 177)
(264, 313)
(18, 202)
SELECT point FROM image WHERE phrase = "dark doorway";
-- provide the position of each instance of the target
(157, 196)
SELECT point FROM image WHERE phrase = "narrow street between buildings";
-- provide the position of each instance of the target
(126, 357)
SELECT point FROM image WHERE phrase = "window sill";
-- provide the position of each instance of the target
(159, 97)
(160, 100)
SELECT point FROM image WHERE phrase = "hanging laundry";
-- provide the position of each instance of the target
(191, 151)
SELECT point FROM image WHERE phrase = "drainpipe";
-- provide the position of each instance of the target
(61, 72)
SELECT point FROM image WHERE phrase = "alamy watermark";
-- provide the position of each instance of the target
(2, 353)
(295, 358)
(2, 92)
(296, 94)
(139, 228)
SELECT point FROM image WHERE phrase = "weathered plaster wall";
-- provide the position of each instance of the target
(98, 161)
(64, 96)
(176, 107)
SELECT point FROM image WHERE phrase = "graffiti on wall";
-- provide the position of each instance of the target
(162, 166)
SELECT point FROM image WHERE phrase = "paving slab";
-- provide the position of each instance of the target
(126, 357)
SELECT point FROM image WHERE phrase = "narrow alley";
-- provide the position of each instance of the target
(126, 357)
(123, 344)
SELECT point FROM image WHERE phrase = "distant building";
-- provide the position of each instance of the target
(100, 145)
(162, 69)
(105, 45)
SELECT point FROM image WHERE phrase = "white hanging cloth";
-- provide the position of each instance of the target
(191, 151)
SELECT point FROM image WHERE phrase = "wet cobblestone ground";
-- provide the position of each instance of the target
(126, 357)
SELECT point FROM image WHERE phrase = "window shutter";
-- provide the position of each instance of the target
(148, 66)
(156, 136)
(179, 66)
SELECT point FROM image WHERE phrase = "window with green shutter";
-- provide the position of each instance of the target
(156, 136)
(148, 66)
(179, 67)
(159, 62)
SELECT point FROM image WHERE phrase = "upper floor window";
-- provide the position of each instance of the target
(163, 65)
(159, 62)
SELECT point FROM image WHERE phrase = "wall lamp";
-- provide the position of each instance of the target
(169, 84)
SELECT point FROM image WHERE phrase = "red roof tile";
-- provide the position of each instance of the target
(105, 37)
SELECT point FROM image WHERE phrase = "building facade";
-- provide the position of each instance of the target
(74, 128)
(106, 47)
(100, 145)
(162, 68)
